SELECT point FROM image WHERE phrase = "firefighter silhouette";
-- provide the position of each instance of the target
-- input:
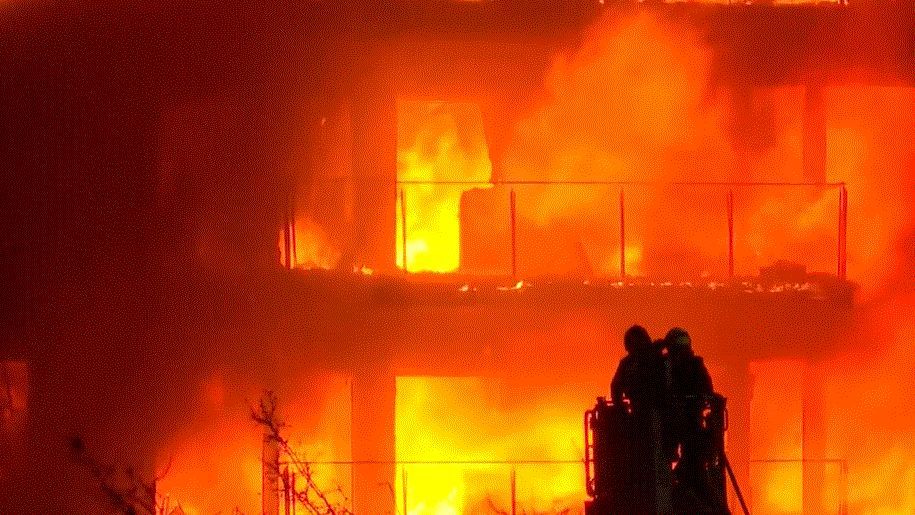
(636, 383)
(686, 443)
(658, 446)
(639, 388)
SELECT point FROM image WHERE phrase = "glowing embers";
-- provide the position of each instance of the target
(436, 141)
(460, 439)
(751, 2)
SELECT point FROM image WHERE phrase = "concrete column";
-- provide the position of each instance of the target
(373, 441)
(374, 155)
(813, 431)
(814, 134)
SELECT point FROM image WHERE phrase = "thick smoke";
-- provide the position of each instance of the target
(869, 400)
(638, 103)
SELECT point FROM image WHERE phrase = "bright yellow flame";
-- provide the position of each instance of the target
(432, 146)
(443, 419)
(216, 466)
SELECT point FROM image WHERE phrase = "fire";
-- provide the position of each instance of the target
(865, 150)
(488, 429)
(633, 104)
(313, 247)
(216, 467)
(436, 142)
(776, 484)
(869, 402)
(637, 103)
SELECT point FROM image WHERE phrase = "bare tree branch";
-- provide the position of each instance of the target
(124, 489)
(312, 496)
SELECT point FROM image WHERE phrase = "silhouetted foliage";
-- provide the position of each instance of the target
(124, 490)
(310, 495)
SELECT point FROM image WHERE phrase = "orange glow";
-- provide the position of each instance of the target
(865, 149)
(631, 105)
(775, 482)
(869, 404)
(216, 466)
(436, 141)
(636, 103)
(14, 406)
(313, 248)
(483, 420)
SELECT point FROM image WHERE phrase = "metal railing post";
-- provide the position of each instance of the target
(403, 472)
(730, 234)
(287, 497)
(841, 253)
(403, 229)
(512, 208)
(843, 488)
(514, 492)
(294, 496)
(622, 236)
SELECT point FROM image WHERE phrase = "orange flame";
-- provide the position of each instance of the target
(216, 467)
(434, 146)
(473, 421)
(313, 248)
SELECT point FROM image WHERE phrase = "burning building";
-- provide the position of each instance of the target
(425, 225)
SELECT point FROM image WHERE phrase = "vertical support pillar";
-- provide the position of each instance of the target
(287, 240)
(813, 441)
(814, 134)
(292, 243)
(374, 148)
(373, 441)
